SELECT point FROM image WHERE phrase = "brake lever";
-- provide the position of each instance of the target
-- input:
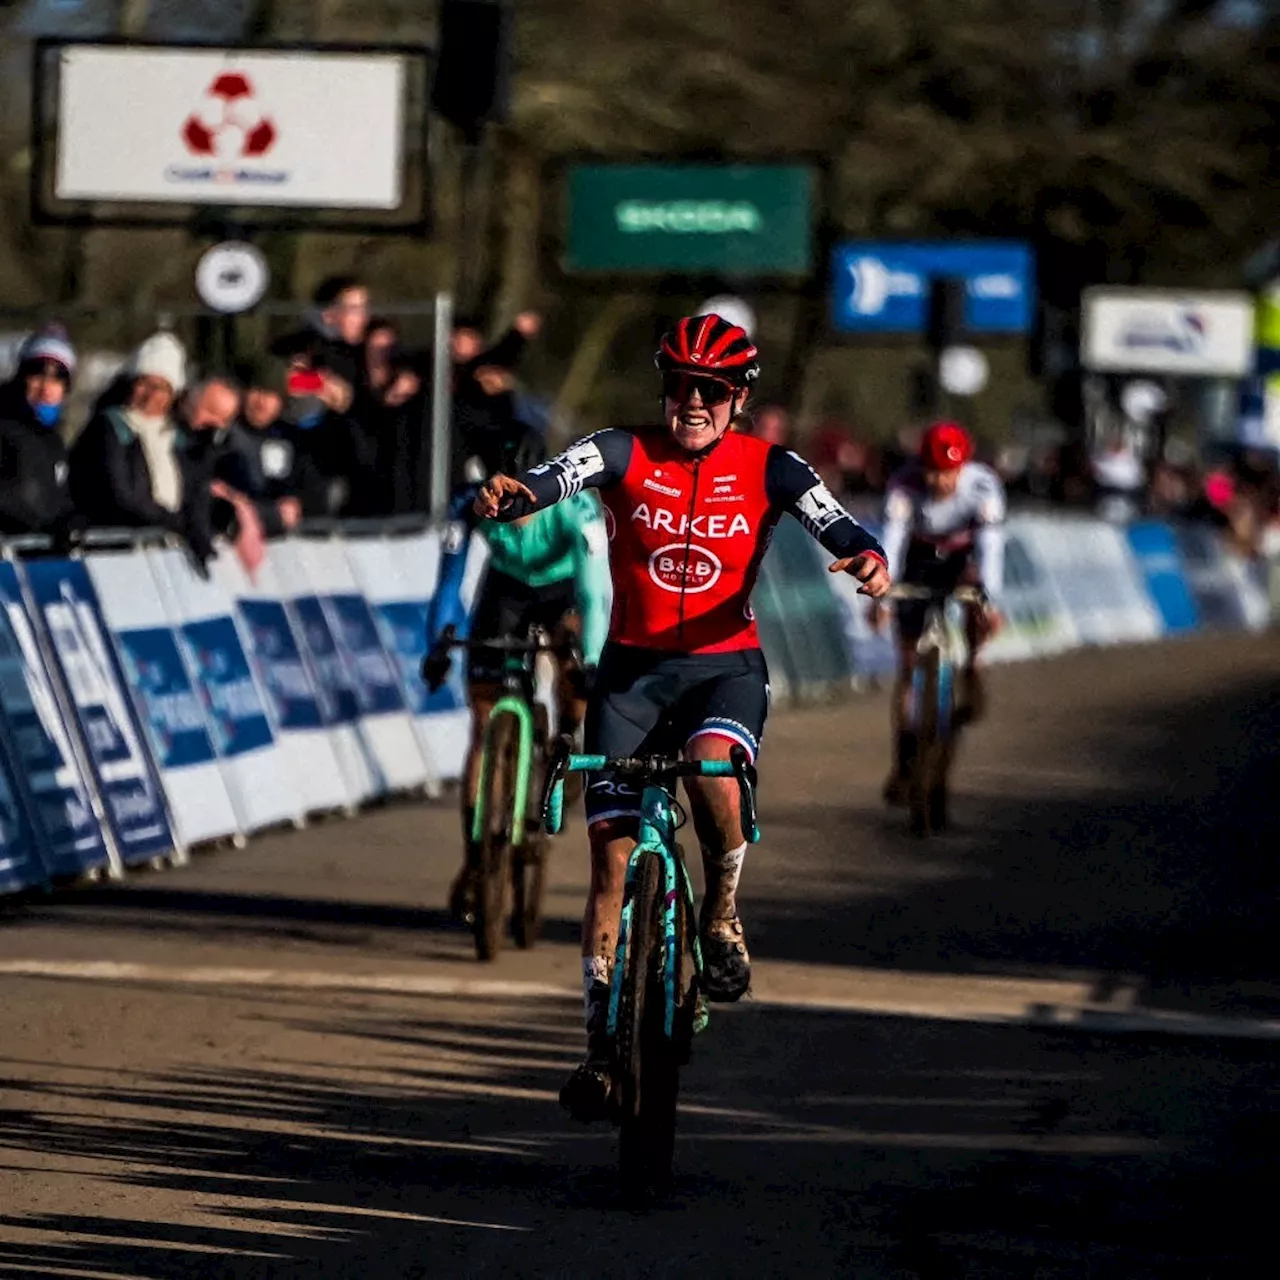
(553, 787)
(746, 774)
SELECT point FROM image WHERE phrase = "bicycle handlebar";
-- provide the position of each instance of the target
(737, 766)
(506, 644)
(966, 594)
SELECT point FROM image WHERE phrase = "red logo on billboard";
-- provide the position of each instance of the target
(228, 123)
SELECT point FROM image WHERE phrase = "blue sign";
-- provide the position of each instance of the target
(20, 866)
(278, 662)
(333, 682)
(882, 287)
(236, 712)
(376, 681)
(1157, 554)
(403, 627)
(125, 777)
(41, 746)
(169, 705)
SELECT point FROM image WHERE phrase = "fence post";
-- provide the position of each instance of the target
(441, 406)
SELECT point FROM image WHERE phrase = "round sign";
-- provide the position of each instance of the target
(731, 308)
(962, 371)
(1142, 399)
(232, 277)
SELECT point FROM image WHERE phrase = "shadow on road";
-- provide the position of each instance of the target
(1168, 869)
(901, 1148)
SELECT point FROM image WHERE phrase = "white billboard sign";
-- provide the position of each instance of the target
(309, 130)
(1195, 335)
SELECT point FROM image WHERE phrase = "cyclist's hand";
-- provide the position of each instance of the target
(435, 668)
(869, 570)
(497, 492)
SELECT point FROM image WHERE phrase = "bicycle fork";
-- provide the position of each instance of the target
(524, 764)
(657, 838)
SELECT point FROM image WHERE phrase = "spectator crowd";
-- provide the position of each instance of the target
(332, 421)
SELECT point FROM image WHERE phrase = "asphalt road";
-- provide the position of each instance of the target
(1044, 1045)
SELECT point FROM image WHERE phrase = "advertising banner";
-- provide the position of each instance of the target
(383, 716)
(1095, 576)
(1193, 335)
(730, 219)
(20, 865)
(41, 749)
(230, 126)
(113, 742)
(384, 569)
(333, 682)
(255, 773)
(286, 682)
(167, 702)
(1223, 593)
(883, 287)
(1156, 550)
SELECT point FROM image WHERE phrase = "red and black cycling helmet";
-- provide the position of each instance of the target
(709, 345)
(945, 446)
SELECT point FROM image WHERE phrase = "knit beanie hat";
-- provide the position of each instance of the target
(161, 356)
(49, 343)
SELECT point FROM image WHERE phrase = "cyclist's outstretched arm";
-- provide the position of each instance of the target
(446, 608)
(794, 486)
(596, 462)
(898, 514)
(989, 535)
(591, 574)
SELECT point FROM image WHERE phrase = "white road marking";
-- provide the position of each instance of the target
(973, 998)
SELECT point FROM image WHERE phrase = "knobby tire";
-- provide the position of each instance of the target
(648, 1061)
(927, 787)
(495, 849)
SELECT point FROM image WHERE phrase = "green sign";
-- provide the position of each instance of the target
(745, 220)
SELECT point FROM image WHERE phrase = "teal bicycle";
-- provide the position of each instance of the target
(655, 1001)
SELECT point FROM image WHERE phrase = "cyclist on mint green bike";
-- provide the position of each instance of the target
(548, 570)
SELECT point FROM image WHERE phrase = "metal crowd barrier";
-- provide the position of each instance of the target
(146, 708)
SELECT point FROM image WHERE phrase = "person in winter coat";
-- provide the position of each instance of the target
(260, 459)
(141, 464)
(34, 493)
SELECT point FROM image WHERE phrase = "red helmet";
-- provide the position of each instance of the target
(712, 346)
(946, 446)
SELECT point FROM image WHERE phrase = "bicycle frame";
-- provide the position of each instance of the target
(657, 836)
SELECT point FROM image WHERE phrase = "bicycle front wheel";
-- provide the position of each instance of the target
(927, 783)
(647, 1058)
(498, 799)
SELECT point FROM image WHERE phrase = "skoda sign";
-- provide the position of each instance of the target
(883, 287)
(723, 219)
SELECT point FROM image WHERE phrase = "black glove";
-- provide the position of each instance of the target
(435, 666)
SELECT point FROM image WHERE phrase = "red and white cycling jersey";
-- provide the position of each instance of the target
(918, 526)
(687, 532)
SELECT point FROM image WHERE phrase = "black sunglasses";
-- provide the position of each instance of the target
(681, 386)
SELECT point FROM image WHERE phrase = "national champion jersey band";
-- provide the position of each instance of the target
(687, 532)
